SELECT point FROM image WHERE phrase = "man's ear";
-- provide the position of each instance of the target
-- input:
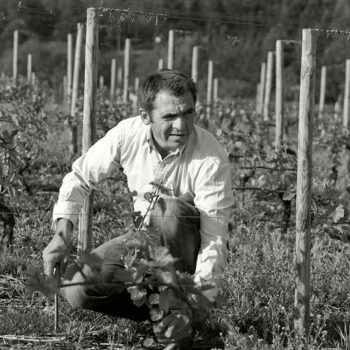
(145, 117)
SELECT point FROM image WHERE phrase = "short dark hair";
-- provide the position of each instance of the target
(170, 80)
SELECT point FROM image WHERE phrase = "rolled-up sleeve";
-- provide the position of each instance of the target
(213, 198)
(98, 163)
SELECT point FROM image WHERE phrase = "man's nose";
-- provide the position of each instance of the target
(179, 123)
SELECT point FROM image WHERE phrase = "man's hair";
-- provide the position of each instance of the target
(169, 80)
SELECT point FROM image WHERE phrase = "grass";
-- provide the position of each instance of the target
(257, 309)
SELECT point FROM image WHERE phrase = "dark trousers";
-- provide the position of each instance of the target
(177, 222)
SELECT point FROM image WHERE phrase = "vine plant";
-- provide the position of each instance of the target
(23, 128)
(177, 304)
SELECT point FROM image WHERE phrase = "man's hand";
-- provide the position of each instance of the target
(59, 248)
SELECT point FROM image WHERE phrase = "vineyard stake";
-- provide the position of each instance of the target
(127, 50)
(69, 67)
(304, 172)
(101, 82)
(215, 92)
(337, 108)
(258, 88)
(29, 68)
(119, 77)
(268, 85)
(64, 97)
(346, 96)
(279, 94)
(90, 86)
(322, 96)
(262, 88)
(260, 105)
(136, 88)
(56, 300)
(194, 73)
(113, 70)
(171, 41)
(77, 55)
(160, 63)
(15, 56)
(209, 88)
(33, 78)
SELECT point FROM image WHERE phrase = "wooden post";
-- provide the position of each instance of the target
(64, 99)
(304, 173)
(90, 86)
(279, 107)
(194, 74)
(136, 84)
(337, 108)
(101, 82)
(171, 41)
(215, 91)
(33, 78)
(15, 55)
(322, 93)
(113, 70)
(346, 108)
(160, 63)
(126, 70)
(268, 86)
(119, 77)
(136, 100)
(77, 56)
(69, 67)
(258, 88)
(29, 68)
(262, 88)
(209, 88)
(260, 106)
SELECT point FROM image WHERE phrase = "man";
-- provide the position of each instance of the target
(160, 146)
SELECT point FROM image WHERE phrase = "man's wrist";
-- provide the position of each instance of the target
(64, 228)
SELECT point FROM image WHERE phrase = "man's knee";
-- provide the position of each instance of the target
(75, 294)
(172, 214)
(177, 222)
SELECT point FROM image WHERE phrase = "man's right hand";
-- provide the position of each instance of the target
(59, 248)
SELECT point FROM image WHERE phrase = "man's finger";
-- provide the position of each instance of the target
(63, 266)
(48, 268)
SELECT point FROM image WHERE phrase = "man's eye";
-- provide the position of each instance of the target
(189, 113)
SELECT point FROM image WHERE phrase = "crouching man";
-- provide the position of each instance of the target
(163, 146)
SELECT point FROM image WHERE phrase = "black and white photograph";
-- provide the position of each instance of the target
(175, 175)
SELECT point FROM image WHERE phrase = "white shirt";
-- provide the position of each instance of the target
(200, 168)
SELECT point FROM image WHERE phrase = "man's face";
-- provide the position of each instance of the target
(172, 120)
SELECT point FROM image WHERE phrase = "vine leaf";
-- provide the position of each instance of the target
(165, 277)
(173, 328)
(137, 295)
(121, 274)
(288, 195)
(153, 299)
(338, 214)
(92, 260)
(161, 257)
(210, 291)
(156, 314)
(168, 300)
(37, 283)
